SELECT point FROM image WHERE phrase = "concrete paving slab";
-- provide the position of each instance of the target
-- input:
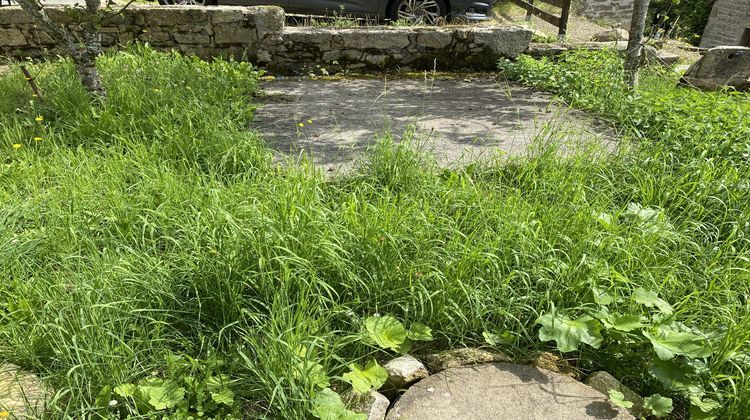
(459, 118)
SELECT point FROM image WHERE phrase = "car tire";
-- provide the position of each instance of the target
(418, 11)
(188, 2)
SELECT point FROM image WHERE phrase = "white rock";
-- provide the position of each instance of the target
(404, 371)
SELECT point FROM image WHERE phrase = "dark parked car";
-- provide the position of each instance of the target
(426, 11)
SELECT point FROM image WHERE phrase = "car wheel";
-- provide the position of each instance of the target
(188, 2)
(418, 11)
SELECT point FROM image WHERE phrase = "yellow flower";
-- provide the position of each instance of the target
(301, 124)
(39, 118)
(4, 414)
(16, 146)
(309, 121)
(37, 139)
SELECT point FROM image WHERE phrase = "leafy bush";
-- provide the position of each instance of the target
(685, 19)
(699, 138)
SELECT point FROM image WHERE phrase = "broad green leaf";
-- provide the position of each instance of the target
(658, 405)
(125, 390)
(405, 347)
(618, 399)
(161, 394)
(364, 380)
(623, 322)
(668, 343)
(697, 414)
(419, 332)
(497, 339)
(217, 382)
(706, 405)
(601, 296)
(651, 299)
(674, 376)
(225, 396)
(314, 373)
(327, 405)
(386, 331)
(569, 333)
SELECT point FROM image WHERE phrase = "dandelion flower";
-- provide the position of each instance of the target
(4, 414)
(17, 146)
(301, 124)
(309, 121)
(37, 139)
(39, 118)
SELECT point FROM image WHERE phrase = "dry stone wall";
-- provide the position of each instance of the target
(615, 11)
(258, 34)
(728, 24)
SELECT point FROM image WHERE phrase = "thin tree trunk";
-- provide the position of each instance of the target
(635, 43)
(84, 54)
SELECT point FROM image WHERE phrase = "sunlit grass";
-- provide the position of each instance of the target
(156, 225)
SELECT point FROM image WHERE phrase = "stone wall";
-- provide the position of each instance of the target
(729, 24)
(209, 31)
(302, 49)
(258, 34)
(614, 11)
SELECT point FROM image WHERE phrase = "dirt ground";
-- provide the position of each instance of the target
(459, 118)
(581, 29)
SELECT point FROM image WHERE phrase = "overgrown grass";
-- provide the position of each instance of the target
(153, 237)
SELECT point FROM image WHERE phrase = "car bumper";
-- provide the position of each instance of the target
(472, 11)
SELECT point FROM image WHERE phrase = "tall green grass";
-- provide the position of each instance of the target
(153, 236)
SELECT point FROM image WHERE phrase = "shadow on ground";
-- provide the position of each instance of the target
(459, 119)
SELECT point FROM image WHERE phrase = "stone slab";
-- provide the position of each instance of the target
(503, 391)
(459, 118)
(22, 394)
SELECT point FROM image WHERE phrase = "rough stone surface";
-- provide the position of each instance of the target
(615, 34)
(259, 35)
(604, 382)
(22, 394)
(657, 57)
(503, 391)
(374, 405)
(404, 371)
(615, 11)
(555, 363)
(458, 118)
(719, 67)
(728, 24)
(462, 357)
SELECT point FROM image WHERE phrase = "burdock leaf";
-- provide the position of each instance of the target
(366, 379)
(327, 405)
(659, 406)
(669, 343)
(569, 333)
(420, 332)
(651, 299)
(618, 399)
(386, 331)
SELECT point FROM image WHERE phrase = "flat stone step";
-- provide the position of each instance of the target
(503, 391)
(22, 394)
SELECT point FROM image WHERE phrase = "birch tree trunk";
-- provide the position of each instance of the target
(83, 52)
(635, 43)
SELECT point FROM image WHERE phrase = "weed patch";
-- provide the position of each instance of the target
(154, 261)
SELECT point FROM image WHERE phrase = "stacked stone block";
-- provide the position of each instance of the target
(729, 24)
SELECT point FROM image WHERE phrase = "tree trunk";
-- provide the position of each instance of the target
(84, 53)
(635, 44)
